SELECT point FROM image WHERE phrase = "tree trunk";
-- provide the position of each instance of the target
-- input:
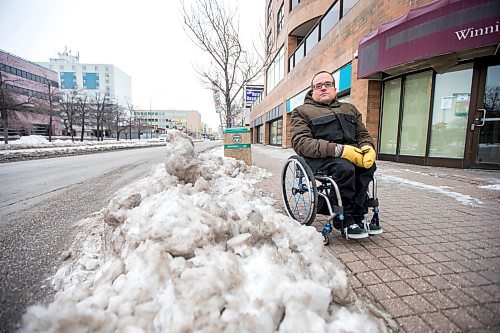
(5, 124)
(50, 114)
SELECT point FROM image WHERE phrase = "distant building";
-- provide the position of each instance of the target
(160, 120)
(28, 87)
(91, 78)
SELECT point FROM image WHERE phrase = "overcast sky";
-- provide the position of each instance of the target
(145, 39)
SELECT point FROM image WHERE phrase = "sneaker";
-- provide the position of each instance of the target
(351, 229)
(372, 228)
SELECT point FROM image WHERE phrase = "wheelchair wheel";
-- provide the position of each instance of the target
(298, 189)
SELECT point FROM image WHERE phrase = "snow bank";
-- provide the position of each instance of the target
(195, 247)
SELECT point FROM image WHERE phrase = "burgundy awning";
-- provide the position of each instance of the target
(439, 28)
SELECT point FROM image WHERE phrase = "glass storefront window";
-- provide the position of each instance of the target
(260, 134)
(275, 135)
(450, 112)
(489, 139)
(390, 117)
(416, 101)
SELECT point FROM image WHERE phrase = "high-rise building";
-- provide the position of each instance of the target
(91, 78)
(424, 74)
(26, 89)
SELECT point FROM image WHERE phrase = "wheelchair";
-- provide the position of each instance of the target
(305, 195)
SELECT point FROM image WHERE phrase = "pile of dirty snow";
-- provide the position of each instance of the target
(195, 247)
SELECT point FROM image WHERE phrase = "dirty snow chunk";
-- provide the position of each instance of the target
(181, 158)
(204, 254)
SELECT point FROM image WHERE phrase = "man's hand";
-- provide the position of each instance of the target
(353, 154)
(368, 156)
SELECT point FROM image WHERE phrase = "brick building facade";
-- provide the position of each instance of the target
(428, 50)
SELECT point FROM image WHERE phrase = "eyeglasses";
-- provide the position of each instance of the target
(327, 84)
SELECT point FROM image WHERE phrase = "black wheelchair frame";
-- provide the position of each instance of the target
(301, 189)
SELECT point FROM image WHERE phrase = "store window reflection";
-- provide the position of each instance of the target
(390, 117)
(275, 135)
(489, 139)
(417, 95)
(450, 112)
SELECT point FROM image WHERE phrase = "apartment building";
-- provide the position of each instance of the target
(159, 121)
(424, 74)
(26, 89)
(91, 78)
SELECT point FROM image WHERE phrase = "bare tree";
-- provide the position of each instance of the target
(213, 27)
(83, 112)
(68, 104)
(130, 119)
(10, 101)
(117, 120)
(101, 103)
(53, 98)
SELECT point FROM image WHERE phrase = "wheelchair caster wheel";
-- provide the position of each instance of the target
(326, 239)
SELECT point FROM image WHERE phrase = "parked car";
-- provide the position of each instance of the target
(162, 137)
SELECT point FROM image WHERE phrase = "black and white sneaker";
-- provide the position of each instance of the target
(372, 228)
(369, 226)
(351, 229)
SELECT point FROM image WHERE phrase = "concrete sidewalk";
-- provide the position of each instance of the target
(436, 267)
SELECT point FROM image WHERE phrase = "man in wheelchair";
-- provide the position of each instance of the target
(334, 141)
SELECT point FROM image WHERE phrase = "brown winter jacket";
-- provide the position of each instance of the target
(316, 128)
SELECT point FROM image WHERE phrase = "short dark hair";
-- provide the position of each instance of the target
(321, 72)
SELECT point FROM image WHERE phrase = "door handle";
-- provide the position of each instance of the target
(482, 119)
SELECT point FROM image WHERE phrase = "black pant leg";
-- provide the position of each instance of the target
(363, 179)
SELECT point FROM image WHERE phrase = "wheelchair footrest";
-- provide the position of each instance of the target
(372, 202)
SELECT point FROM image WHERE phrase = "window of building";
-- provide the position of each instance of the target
(260, 134)
(279, 24)
(390, 117)
(293, 4)
(318, 31)
(68, 80)
(269, 11)
(312, 39)
(347, 5)
(269, 43)
(275, 132)
(330, 19)
(415, 114)
(91, 81)
(275, 71)
(299, 53)
(450, 112)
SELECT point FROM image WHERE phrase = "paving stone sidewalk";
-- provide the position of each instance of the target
(436, 267)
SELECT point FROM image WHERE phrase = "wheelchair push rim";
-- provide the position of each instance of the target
(299, 191)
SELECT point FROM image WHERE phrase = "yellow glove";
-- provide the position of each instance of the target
(353, 154)
(368, 156)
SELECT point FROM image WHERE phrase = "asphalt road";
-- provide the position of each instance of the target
(40, 201)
